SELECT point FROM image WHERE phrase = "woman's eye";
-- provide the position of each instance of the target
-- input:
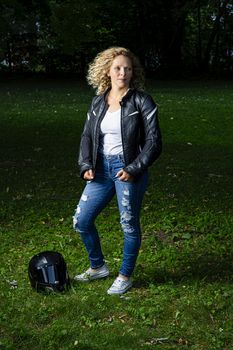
(125, 68)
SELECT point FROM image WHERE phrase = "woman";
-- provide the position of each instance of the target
(121, 139)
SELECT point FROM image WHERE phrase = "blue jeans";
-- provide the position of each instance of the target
(97, 193)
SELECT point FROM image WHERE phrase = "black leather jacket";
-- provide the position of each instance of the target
(141, 136)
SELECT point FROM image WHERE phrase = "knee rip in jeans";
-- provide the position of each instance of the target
(84, 198)
(125, 199)
(126, 216)
(75, 217)
(75, 221)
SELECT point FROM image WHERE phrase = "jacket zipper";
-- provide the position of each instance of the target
(97, 134)
(122, 137)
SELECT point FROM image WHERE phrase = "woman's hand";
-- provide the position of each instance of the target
(124, 176)
(89, 175)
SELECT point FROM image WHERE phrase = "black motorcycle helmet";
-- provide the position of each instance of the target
(47, 272)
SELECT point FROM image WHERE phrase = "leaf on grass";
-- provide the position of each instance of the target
(157, 341)
(161, 235)
(13, 284)
(215, 175)
(183, 341)
(186, 235)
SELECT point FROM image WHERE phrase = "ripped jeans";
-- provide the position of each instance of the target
(96, 195)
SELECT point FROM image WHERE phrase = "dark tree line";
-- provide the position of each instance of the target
(171, 37)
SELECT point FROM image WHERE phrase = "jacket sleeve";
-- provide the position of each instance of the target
(152, 146)
(85, 149)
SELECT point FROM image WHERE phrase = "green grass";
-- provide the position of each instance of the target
(182, 296)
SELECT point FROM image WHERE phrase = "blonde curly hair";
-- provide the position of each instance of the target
(97, 75)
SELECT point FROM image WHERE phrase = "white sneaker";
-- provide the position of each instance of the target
(91, 274)
(120, 286)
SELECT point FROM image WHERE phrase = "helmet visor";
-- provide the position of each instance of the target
(48, 274)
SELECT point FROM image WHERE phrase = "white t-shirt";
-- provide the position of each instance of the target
(110, 133)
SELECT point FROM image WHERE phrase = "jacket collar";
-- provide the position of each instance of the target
(124, 98)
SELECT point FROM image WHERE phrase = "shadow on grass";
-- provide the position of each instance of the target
(209, 268)
(197, 171)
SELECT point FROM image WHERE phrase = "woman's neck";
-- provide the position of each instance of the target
(116, 94)
(114, 99)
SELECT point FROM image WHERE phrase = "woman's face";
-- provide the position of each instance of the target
(121, 72)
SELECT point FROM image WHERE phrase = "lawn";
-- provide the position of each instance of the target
(182, 296)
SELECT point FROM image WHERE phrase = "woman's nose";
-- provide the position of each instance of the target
(123, 71)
